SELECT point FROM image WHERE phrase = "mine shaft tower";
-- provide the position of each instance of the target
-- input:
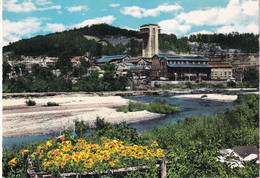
(149, 34)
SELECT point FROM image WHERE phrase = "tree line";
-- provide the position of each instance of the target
(247, 42)
(42, 79)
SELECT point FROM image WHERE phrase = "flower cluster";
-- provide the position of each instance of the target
(66, 154)
(13, 162)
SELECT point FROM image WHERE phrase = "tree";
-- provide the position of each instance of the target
(64, 63)
(251, 78)
(6, 68)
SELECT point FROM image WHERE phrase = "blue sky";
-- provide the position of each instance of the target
(29, 18)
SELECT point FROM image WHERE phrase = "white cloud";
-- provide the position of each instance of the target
(77, 8)
(26, 6)
(238, 16)
(128, 28)
(114, 5)
(43, 2)
(54, 27)
(139, 12)
(250, 28)
(107, 19)
(173, 26)
(13, 31)
(250, 8)
(201, 32)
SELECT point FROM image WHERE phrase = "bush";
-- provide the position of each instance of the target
(231, 84)
(204, 96)
(30, 102)
(157, 107)
(80, 128)
(52, 104)
(123, 109)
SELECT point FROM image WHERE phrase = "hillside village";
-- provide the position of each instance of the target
(206, 62)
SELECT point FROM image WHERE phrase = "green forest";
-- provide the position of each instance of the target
(73, 43)
(190, 146)
(247, 42)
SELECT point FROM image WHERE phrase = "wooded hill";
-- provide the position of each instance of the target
(73, 43)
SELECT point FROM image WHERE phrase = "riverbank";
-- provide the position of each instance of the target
(22, 120)
(126, 93)
(215, 97)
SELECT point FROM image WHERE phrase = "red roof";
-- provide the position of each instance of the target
(220, 64)
(113, 62)
(76, 59)
(54, 58)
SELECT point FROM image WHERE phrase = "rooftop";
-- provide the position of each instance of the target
(149, 25)
(134, 59)
(110, 58)
(189, 65)
(76, 59)
(220, 64)
(186, 58)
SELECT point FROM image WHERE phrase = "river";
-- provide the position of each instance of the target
(189, 107)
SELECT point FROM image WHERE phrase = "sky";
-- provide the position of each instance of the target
(23, 19)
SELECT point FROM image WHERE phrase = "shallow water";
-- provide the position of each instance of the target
(189, 107)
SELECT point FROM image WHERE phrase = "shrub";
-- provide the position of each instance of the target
(204, 96)
(52, 104)
(123, 109)
(231, 84)
(157, 107)
(80, 128)
(30, 102)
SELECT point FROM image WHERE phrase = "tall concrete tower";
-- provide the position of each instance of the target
(149, 34)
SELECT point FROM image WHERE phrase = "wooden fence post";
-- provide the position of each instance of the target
(163, 169)
(31, 170)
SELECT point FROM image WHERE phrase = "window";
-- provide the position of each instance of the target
(229, 73)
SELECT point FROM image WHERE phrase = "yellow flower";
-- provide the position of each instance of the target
(112, 164)
(154, 143)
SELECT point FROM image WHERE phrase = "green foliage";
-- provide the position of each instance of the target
(231, 84)
(189, 85)
(191, 146)
(40, 80)
(156, 107)
(204, 96)
(6, 68)
(172, 43)
(106, 83)
(52, 104)
(80, 128)
(251, 78)
(247, 42)
(71, 42)
(119, 131)
(30, 102)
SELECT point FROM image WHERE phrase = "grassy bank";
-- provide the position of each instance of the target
(156, 107)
